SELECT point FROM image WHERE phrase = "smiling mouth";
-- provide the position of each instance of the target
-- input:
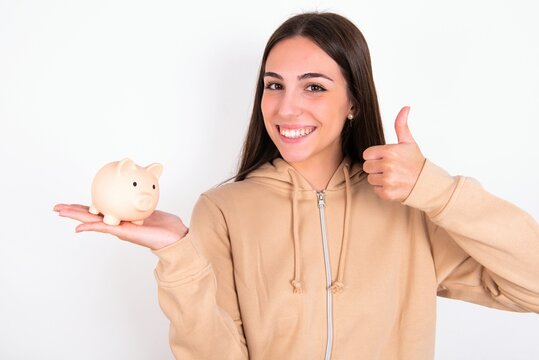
(296, 133)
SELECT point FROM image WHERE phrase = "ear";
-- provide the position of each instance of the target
(353, 110)
(155, 169)
(124, 165)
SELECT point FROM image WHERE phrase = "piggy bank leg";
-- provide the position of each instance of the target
(111, 220)
(93, 210)
(138, 222)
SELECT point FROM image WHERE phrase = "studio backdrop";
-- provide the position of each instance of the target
(83, 83)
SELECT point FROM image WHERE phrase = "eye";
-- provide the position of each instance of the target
(315, 88)
(153, 186)
(273, 86)
(134, 183)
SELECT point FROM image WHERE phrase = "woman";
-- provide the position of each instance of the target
(329, 243)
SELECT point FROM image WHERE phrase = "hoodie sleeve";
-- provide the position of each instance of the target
(203, 309)
(485, 249)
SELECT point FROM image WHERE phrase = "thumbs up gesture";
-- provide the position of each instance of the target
(394, 168)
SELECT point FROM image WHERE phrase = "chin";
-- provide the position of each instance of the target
(294, 157)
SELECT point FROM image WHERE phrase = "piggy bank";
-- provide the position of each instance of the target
(124, 191)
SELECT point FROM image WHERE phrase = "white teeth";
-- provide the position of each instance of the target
(296, 133)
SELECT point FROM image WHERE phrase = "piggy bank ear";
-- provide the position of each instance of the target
(155, 169)
(124, 165)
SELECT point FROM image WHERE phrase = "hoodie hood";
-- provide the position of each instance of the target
(281, 174)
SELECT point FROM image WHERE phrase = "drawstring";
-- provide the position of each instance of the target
(296, 283)
(338, 285)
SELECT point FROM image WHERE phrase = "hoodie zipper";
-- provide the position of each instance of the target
(321, 206)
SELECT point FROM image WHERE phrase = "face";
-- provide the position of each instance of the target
(305, 102)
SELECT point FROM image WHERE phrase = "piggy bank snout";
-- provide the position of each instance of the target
(144, 201)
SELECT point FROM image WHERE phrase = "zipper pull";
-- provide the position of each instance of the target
(320, 196)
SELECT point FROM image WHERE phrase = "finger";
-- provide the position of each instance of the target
(381, 192)
(101, 227)
(59, 207)
(373, 166)
(404, 135)
(124, 231)
(374, 152)
(98, 226)
(79, 214)
(375, 179)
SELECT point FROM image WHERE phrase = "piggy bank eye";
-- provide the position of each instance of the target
(134, 183)
(154, 186)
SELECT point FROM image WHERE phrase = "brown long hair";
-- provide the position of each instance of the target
(345, 44)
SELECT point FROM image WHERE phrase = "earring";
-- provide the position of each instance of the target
(350, 117)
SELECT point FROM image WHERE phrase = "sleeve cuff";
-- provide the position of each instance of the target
(432, 190)
(179, 260)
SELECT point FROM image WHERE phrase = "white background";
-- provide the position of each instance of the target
(83, 83)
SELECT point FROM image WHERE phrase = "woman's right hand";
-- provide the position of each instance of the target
(159, 229)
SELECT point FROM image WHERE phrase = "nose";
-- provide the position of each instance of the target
(290, 105)
(144, 202)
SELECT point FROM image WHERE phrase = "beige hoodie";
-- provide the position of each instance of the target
(271, 269)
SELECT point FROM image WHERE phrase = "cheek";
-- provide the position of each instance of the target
(325, 112)
(331, 114)
(266, 106)
(338, 109)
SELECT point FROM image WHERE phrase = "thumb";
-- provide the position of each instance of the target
(404, 135)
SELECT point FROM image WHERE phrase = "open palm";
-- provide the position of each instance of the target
(159, 230)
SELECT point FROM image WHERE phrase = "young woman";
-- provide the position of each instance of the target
(329, 243)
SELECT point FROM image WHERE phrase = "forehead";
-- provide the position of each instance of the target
(299, 55)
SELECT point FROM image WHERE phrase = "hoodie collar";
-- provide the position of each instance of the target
(276, 172)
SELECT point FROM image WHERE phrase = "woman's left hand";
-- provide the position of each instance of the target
(393, 169)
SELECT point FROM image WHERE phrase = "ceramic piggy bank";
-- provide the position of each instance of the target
(124, 191)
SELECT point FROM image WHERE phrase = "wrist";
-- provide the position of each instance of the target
(171, 240)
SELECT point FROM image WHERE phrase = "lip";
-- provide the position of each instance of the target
(293, 127)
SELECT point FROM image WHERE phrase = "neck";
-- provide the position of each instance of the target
(318, 171)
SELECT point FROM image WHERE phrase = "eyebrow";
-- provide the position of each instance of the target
(300, 77)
